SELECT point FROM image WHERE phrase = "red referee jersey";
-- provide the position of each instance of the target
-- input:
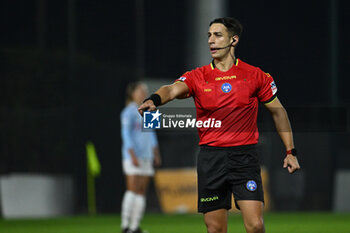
(230, 97)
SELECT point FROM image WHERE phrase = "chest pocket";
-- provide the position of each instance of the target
(234, 94)
(207, 96)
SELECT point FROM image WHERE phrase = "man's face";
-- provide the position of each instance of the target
(218, 37)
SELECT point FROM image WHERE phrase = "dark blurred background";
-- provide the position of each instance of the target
(65, 65)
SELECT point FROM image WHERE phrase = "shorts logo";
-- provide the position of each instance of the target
(151, 120)
(251, 185)
(226, 87)
(182, 78)
(208, 199)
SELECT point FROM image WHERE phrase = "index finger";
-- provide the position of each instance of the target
(140, 111)
(142, 108)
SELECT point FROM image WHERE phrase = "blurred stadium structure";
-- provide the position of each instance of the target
(65, 65)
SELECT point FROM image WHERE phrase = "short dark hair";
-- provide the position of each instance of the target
(233, 25)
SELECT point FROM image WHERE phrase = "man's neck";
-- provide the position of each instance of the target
(225, 64)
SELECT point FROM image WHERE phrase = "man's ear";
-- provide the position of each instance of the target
(235, 40)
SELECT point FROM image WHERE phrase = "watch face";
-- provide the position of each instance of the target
(294, 152)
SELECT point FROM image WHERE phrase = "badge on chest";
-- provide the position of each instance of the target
(226, 87)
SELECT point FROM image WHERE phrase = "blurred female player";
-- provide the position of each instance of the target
(139, 152)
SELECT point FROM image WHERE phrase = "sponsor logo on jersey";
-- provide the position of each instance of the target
(151, 120)
(207, 90)
(226, 87)
(273, 87)
(251, 185)
(225, 78)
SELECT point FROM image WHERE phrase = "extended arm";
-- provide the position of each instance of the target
(280, 117)
(167, 93)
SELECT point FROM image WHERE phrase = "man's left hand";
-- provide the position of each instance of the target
(291, 162)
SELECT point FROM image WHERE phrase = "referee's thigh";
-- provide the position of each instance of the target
(252, 213)
(216, 221)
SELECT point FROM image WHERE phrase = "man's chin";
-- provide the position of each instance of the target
(214, 55)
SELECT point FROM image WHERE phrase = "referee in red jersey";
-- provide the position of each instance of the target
(229, 90)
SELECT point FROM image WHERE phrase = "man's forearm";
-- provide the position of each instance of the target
(280, 117)
(165, 94)
(170, 92)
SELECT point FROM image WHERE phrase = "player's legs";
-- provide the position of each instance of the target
(134, 201)
(247, 187)
(140, 184)
(137, 178)
(214, 193)
(252, 213)
(216, 221)
(131, 183)
(139, 187)
(128, 201)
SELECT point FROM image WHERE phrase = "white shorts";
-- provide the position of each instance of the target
(145, 167)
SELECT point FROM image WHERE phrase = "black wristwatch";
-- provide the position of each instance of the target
(292, 152)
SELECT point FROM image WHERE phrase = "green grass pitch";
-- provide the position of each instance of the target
(187, 223)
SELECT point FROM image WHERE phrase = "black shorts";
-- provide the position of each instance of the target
(223, 171)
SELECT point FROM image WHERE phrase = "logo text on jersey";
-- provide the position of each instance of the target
(225, 78)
